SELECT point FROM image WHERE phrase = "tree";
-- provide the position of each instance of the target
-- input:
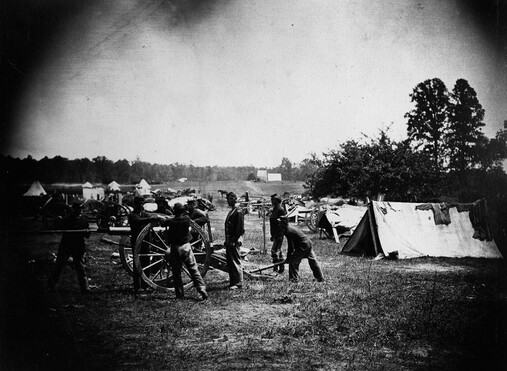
(491, 152)
(103, 168)
(309, 171)
(286, 169)
(251, 177)
(463, 134)
(380, 166)
(426, 122)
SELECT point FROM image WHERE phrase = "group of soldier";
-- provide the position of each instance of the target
(179, 237)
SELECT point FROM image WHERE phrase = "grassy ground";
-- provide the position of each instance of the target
(368, 315)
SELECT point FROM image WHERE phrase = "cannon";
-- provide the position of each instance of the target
(149, 253)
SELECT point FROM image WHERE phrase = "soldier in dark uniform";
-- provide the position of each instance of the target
(276, 232)
(299, 247)
(199, 217)
(234, 230)
(72, 244)
(138, 219)
(180, 252)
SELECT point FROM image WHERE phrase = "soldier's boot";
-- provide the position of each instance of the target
(180, 294)
(275, 268)
(281, 267)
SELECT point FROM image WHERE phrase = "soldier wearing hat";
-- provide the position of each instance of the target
(138, 219)
(299, 247)
(234, 230)
(276, 233)
(180, 252)
(72, 244)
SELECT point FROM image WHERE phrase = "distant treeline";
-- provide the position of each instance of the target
(102, 170)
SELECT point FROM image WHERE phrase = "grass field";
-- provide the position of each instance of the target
(368, 315)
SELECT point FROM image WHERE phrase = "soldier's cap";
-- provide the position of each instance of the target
(232, 195)
(276, 197)
(178, 209)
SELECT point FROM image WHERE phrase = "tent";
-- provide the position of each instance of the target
(113, 186)
(35, 189)
(341, 220)
(400, 230)
(298, 211)
(143, 188)
(92, 193)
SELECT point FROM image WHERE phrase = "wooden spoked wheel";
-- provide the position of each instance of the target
(113, 215)
(126, 256)
(54, 211)
(150, 257)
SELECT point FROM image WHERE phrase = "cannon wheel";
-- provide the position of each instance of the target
(126, 257)
(151, 246)
(53, 212)
(120, 212)
(312, 221)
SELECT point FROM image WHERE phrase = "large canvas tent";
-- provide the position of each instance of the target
(399, 229)
(35, 189)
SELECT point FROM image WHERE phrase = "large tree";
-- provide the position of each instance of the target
(463, 134)
(379, 166)
(426, 122)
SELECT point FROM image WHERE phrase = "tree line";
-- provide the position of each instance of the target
(103, 170)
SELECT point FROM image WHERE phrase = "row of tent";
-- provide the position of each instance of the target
(36, 189)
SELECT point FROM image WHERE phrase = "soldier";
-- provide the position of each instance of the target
(180, 252)
(234, 230)
(299, 247)
(276, 232)
(138, 219)
(72, 244)
(197, 215)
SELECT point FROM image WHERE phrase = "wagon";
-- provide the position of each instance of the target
(106, 214)
(52, 210)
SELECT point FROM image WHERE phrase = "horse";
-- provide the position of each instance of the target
(222, 193)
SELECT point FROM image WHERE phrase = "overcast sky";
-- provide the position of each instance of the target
(246, 82)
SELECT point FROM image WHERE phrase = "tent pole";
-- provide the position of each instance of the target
(372, 229)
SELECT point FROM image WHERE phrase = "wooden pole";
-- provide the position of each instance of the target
(264, 227)
(258, 270)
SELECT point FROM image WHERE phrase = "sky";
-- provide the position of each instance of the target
(239, 83)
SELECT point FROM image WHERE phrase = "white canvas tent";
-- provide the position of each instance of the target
(143, 188)
(92, 193)
(341, 220)
(35, 189)
(397, 228)
(113, 186)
